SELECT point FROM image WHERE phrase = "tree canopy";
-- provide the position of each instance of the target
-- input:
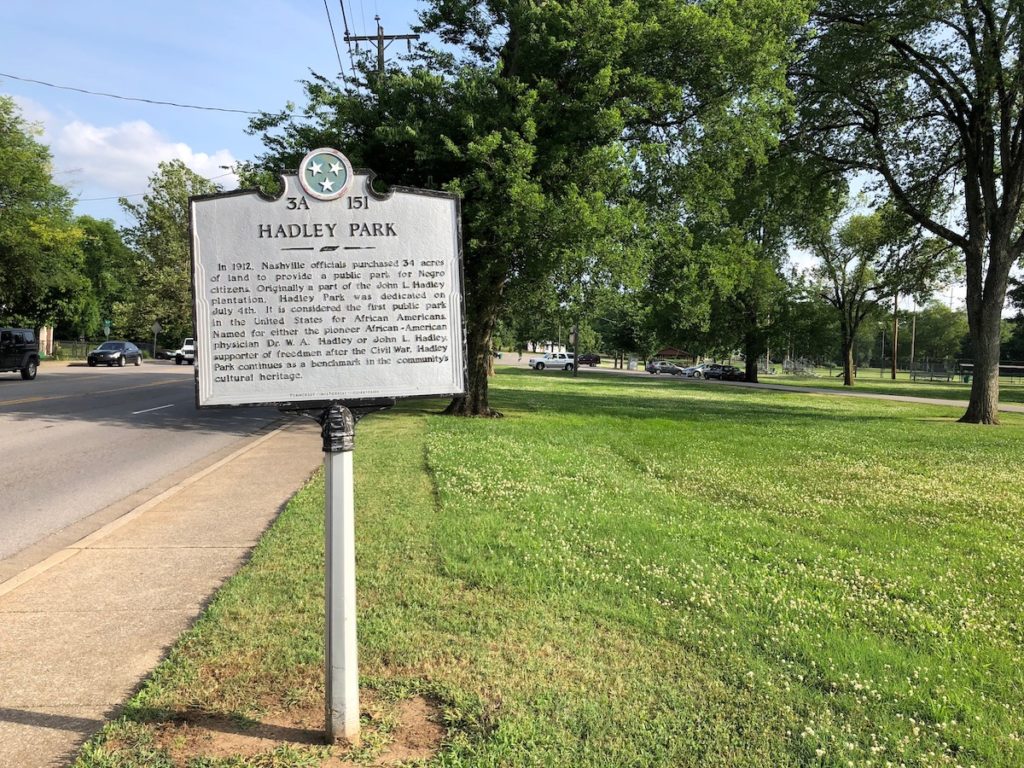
(39, 277)
(160, 240)
(544, 116)
(869, 259)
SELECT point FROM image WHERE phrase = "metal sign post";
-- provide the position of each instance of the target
(340, 658)
(341, 662)
(156, 329)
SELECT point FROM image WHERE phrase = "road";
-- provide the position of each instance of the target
(77, 442)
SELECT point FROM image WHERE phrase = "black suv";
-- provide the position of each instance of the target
(19, 351)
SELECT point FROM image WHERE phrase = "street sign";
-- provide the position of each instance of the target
(328, 293)
(157, 327)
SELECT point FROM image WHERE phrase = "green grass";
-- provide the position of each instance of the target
(629, 572)
(868, 380)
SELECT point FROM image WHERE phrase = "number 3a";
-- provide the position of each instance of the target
(295, 203)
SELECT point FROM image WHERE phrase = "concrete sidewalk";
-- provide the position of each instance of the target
(80, 630)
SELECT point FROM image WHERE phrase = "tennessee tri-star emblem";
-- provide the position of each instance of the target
(325, 174)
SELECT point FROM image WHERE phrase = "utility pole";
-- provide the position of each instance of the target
(881, 363)
(913, 338)
(380, 40)
(895, 332)
(575, 338)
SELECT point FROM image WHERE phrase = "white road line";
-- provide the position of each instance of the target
(158, 408)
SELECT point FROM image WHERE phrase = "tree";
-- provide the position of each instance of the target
(867, 260)
(536, 106)
(928, 96)
(160, 241)
(39, 277)
(109, 266)
(809, 327)
(773, 202)
(939, 333)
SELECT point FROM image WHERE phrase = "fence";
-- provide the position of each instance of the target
(1013, 371)
(79, 350)
(800, 366)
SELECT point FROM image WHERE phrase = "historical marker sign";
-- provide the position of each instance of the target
(330, 293)
(329, 296)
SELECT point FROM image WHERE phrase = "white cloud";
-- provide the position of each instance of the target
(33, 112)
(118, 160)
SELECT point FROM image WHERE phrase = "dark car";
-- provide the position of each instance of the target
(589, 359)
(714, 371)
(112, 353)
(19, 351)
(731, 373)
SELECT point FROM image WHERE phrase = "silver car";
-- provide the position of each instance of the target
(664, 366)
(695, 371)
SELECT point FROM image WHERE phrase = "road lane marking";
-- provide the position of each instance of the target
(41, 398)
(158, 408)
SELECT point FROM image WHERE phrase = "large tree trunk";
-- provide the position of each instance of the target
(985, 325)
(848, 374)
(478, 353)
(987, 279)
(895, 333)
(483, 301)
(753, 347)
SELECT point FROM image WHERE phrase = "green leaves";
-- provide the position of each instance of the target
(567, 127)
(160, 239)
(38, 241)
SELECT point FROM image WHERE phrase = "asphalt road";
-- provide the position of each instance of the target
(77, 440)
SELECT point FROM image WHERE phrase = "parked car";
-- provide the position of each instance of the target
(694, 371)
(186, 353)
(713, 371)
(118, 353)
(731, 373)
(663, 366)
(164, 354)
(725, 373)
(563, 360)
(19, 351)
(589, 359)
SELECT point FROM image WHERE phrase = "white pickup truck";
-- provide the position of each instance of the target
(564, 360)
(187, 352)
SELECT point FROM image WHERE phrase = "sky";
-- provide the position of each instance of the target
(231, 55)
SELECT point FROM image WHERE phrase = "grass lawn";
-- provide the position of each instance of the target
(868, 380)
(629, 572)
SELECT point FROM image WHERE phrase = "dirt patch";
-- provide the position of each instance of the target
(399, 731)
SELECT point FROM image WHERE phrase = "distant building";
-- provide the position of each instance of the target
(671, 353)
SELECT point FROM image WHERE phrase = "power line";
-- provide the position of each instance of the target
(127, 98)
(351, 58)
(341, 69)
(140, 194)
(381, 40)
(115, 197)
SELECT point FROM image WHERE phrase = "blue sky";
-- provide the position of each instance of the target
(216, 53)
